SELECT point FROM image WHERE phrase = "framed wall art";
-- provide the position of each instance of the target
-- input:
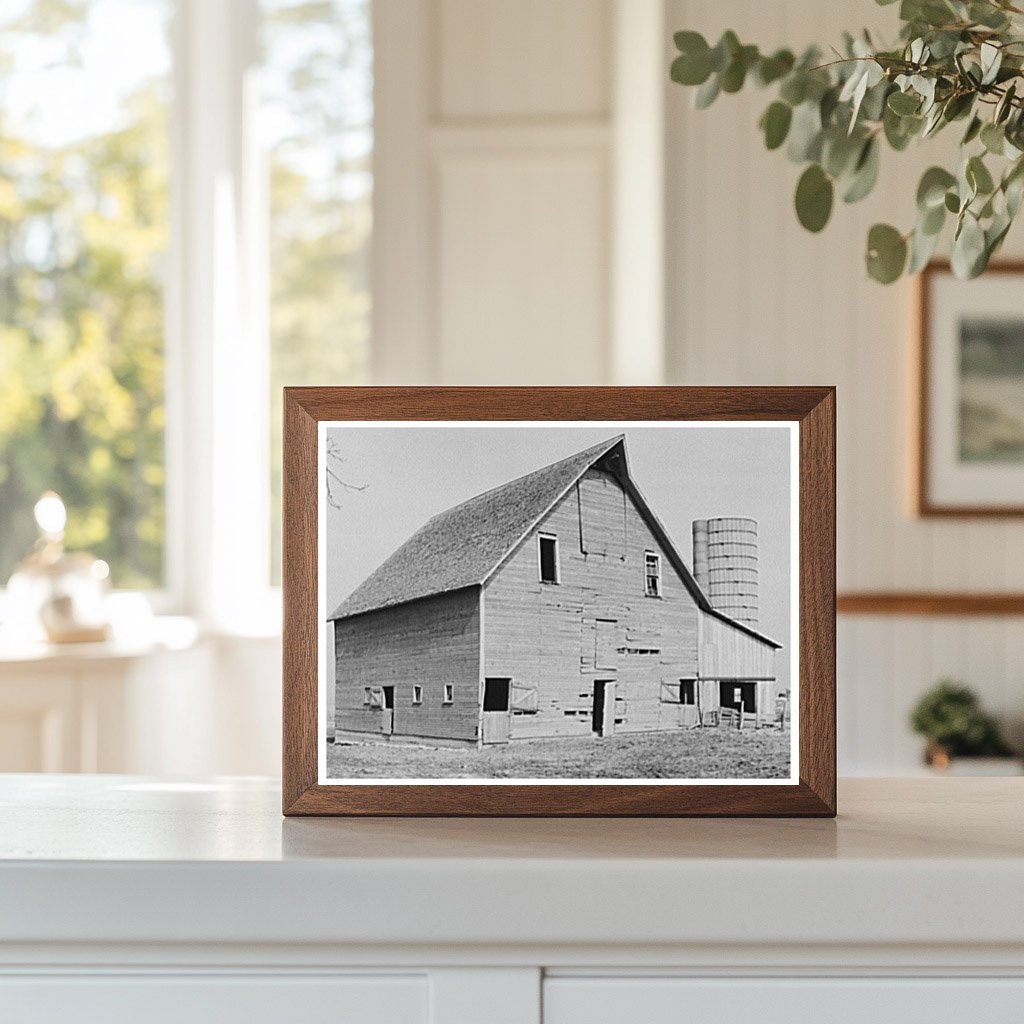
(970, 450)
(559, 601)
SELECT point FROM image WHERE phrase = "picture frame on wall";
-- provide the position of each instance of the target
(970, 418)
(559, 601)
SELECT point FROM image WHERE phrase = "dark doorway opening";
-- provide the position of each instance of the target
(741, 696)
(599, 699)
(389, 697)
(496, 693)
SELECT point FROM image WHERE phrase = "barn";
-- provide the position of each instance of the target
(554, 605)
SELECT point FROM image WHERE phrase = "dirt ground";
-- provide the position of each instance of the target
(687, 754)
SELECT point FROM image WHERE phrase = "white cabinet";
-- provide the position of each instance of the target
(130, 898)
(828, 1000)
(239, 999)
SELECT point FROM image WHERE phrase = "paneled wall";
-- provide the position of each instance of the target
(753, 299)
(505, 131)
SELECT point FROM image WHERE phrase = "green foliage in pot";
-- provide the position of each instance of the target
(957, 62)
(950, 717)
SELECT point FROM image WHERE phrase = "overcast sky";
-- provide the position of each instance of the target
(410, 473)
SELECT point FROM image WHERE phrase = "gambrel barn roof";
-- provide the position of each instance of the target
(465, 545)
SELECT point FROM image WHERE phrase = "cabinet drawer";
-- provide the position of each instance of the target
(202, 999)
(660, 1000)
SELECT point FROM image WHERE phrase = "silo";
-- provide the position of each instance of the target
(725, 565)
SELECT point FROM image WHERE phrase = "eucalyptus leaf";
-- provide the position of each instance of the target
(775, 124)
(973, 130)
(993, 138)
(707, 93)
(805, 133)
(1005, 105)
(691, 68)
(840, 152)
(991, 60)
(922, 247)
(814, 195)
(931, 190)
(886, 253)
(978, 176)
(865, 173)
(794, 88)
(904, 103)
(724, 51)
(987, 15)
(968, 248)
(932, 221)
(771, 69)
(957, 106)
(735, 74)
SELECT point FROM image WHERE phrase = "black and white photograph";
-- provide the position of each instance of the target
(572, 601)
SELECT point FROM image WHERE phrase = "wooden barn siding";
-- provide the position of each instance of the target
(545, 636)
(727, 652)
(430, 642)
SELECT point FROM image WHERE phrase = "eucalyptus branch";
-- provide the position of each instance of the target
(955, 61)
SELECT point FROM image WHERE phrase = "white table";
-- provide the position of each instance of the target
(124, 898)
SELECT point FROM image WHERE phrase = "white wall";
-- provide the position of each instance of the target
(754, 299)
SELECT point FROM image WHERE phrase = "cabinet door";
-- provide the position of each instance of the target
(205, 999)
(677, 1000)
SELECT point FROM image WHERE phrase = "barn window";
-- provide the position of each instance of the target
(687, 691)
(417, 694)
(547, 555)
(652, 574)
(449, 693)
(367, 694)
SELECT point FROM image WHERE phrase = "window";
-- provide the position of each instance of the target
(687, 691)
(83, 246)
(317, 127)
(547, 554)
(652, 574)
(367, 695)
(264, 283)
(417, 694)
(449, 693)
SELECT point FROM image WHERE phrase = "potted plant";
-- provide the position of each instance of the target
(956, 62)
(950, 718)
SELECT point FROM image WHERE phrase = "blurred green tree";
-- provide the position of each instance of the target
(82, 233)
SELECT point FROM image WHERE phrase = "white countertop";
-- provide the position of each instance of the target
(120, 859)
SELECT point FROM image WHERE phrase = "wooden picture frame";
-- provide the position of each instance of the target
(811, 413)
(942, 488)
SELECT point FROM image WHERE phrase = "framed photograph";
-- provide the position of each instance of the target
(559, 601)
(971, 393)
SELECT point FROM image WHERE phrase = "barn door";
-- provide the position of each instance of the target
(604, 707)
(387, 712)
(496, 710)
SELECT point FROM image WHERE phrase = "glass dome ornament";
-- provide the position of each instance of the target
(55, 595)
